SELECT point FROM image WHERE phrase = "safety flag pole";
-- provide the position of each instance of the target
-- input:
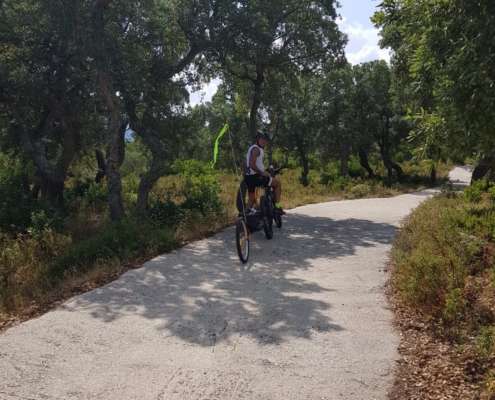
(215, 149)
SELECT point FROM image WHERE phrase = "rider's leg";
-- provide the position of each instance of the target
(251, 201)
(277, 189)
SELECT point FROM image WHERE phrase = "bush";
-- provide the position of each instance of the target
(165, 214)
(360, 191)
(122, 242)
(15, 205)
(433, 258)
(190, 168)
(341, 183)
(474, 192)
(201, 194)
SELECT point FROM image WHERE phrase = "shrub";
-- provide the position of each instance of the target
(164, 213)
(341, 183)
(201, 194)
(475, 191)
(123, 242)
(360, 191)
(433, 258)
(15, 205)
(190, 168)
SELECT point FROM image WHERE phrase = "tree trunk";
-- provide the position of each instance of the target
(344, 162)
(122, 130)
(482, 168)
(116, 202)
(363, 160)
(433, 176)
(102, 168)
(397, 167)
(385, 152)
(305, 163)
(253, 116)
(149, 179)
(147, 182)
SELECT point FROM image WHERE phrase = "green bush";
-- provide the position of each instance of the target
(475, 191)
(165, 214)
(190, 168)
(45, 218)
(361, 190)
(15, 205)
(399, 157)
(202, 194)
(122, 242)
(341, 183)
(355, 169)
(434, 254)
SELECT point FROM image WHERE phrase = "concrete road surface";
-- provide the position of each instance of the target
(306, 318)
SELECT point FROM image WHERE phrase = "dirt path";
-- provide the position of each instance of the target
(304, 319)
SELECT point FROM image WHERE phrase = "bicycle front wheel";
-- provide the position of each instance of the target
(242, 240)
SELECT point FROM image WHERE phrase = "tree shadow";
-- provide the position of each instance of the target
(203, 294)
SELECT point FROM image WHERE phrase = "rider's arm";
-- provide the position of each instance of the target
(252, 162)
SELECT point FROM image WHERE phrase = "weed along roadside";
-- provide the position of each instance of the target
(56, 258)
(442, 290)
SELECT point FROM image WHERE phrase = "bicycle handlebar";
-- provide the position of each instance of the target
(275, 171)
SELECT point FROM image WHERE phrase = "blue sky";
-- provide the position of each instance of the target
(363, 39)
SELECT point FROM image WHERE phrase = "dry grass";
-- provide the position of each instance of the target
(442, 291)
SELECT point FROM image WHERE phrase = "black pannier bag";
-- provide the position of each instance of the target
(254, 222)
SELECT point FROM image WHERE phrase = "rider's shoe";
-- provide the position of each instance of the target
(279, 211)
(251, 211)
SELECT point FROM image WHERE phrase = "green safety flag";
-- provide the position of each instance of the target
(215, 150)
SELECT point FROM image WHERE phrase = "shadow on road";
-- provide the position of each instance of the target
(203, 294)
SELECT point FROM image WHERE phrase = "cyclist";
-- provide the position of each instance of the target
(256, 175)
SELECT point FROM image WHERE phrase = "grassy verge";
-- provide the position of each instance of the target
(443, 292)
(56, 259)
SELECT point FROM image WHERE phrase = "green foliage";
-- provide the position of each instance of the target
(486, 341)
(443, 71)
(46, 218)
(15, 205)
(201, 194)
(121, 242)
(191, 168)
(435, 254)
(475, 191)
(361, 191)
(88, 193)
(165, 214)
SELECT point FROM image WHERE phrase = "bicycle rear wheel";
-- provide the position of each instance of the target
(242, 240)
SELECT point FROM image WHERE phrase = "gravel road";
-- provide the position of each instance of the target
(306, 318)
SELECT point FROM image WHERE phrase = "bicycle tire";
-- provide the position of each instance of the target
(242, 240)
(267, 218)
(268, 227)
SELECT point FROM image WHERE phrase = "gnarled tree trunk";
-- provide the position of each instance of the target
(115, 200)
(482, 168)
(363, 160)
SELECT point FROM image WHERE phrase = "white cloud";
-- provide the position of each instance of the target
(205, 94)
(363, 43)
(368, 53)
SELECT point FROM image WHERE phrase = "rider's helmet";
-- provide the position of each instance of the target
(263, 133)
